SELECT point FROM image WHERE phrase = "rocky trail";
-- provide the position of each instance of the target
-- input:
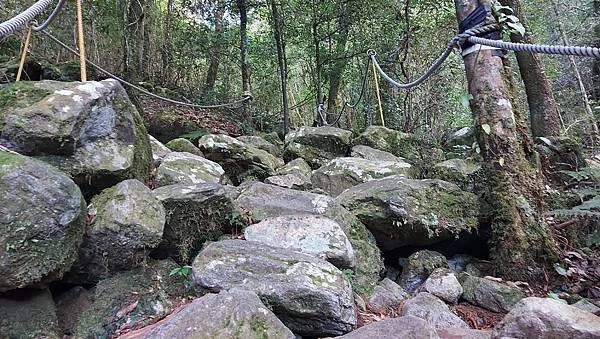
(107, 232)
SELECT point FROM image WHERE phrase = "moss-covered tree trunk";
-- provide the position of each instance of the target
(521, 242)
(596, 62)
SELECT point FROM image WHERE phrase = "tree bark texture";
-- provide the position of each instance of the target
(167, 52)
(243, 8)
(337, 70)
(215, 56)
(596, 62)
(277, 22)
(318, 64)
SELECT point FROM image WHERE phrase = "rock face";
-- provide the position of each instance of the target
(240, 161)
(28, 314)
(310, 296)
(547, 318)
(230, 314)
(387, 295)
(292, 181)
(419, 267)
(311, 234)
(463, 172)
(427, 307)
(384, 139)
(194, 214)
(463, 333)
(342, 173)
(400, 211)
(261, 143)
(461, 137)
(127, 223)
(265, 201)
(317, 145)
(184, 145)
(489, 294)
(369, 153)
(560, 154)
(297, 166)
(407, 327)
(189, 169)
(90, 131)
(42, 221)
(443, 284)
(159, 151)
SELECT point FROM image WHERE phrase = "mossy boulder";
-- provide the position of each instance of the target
(131, 299)
(42, 222)
(28, 314)
(369, 153)
(317, 145)
(489, 294)
(194, 214)
(407, 212)
(466, 173)
(127, 222)
(387, 295)
(309, 295)
(292, 181)
(342, 173)
(239, 160)
(419, 267)
(428, 307)
(184, 145)
(262, 144)
(264, 201)
(189, 169)
(89, 130)
(460, 140)
(297, 166)
(159, 151)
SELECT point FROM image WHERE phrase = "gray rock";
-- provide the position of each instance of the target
(340, 174)
(462, 137)
(311, 234)
(463, 333)
(586, 305)
(293, 181)
(28, 314)
(400, 211)
(42, 221)
(407, 327)
(310, 296)
(265, 201)
(127, 222)
(189, 169)
(535, 318)
(184, 145)
(466, 173)
(427, 307)
(388, 140)
(387, 295)
(239, 160)
(443, 284)
(194, 214)
(370, 153)
(89, 130)
(297, 166)
(230, 314)
(489, 294)
(418, 268)
(262, 144)
(460, 263)
(317, 145)
(159, 151)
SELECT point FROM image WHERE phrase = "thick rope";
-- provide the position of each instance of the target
(22, 19)
(590, 52)
(126, 83)
(51, 17)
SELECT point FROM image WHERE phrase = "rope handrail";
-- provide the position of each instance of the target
(51, 17)
(23, 18)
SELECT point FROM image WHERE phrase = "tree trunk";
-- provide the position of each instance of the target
(167, 52)
(277, 22)
(337, 70)
(544, 114)
(243, 8)
(520, 237)
(318, 121)
(215, 56)
(596, 62)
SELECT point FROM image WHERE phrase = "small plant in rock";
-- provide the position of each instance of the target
(184, 273)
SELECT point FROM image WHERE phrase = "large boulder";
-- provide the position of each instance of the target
(189, 169)
(443, 284)
(387, 295)
(370, 153)
(317, 145)
(534, 318)
(419, 266)
(297, 166)
(89, 130)
(311, 234)
(427, 307)
(240, 160)
(159, 151)
(42, 221)
(194, 215)
(489, 294)
(401, 211)
(235, 313)
(184, 145)
(262, 144)
(127, 222)
(265, 201)
(407, 327)
(295, 175)
(466, 173)
(310, 296)
(28, 314)
(342, 173)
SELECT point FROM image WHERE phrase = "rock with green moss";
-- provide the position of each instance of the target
(317, 145)
(262, 144)
(189, 169)
(265, 201)
(159, 151)
(89, 130)
(236, 313)
(386, 296)
(131, 299)
(311, 234)
(342, 173)
(395, 142)
(489, 294)
(292, 181)
(443, 284)
(466, 173)
(428, 307)
(309, 295)
(297, 166)
(370, 153)
(127, 222)
(239, 160)
(42, 222)
(419, 267)
(460, 140)
(402, 212)
(194, 214)
(28, 314)
(184, 145)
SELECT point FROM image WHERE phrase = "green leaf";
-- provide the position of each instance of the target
(517, 27)
(486, 128)
(175, 271)
(464, 99)
(553, 295)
